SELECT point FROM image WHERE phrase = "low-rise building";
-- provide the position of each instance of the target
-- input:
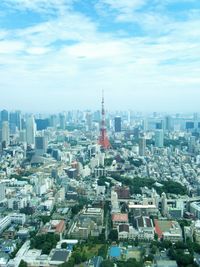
(4, 223)
(54, 226)
(119, 218)
(59, 256)
(145, 227)
(126, 231)
(195, 209)
(196, 231)
(168, 230)
(18, 218)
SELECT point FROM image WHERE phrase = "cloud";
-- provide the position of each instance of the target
(67, 59)
(41, 6)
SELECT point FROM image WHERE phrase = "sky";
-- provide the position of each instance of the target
(59, 55)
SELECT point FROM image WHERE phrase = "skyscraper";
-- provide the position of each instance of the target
(159, 138)
(5, 132)
(142, 146)
(4, 115)
(118, 124)
(53, 121)
(15, 121)
(145, 124)
(62, 119)
(88, 118)
(168, 123)
(40, 145)
(30, 130)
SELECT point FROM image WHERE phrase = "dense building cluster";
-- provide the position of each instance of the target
(65, 199)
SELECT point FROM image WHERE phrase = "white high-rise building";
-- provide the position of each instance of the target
(2, 191)
(5, 132)
(22, 136)
(145, 124)
(114, 202)
(30, 131)
(164, 207)
(159, 138)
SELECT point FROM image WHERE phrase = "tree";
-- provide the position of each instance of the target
(70, 263)
(77, 257)
(45, 219)
(113, 235)
(27, 210)
(183, 259)
(107, 263)
(75, 209)
(132, 262)
(45, 242)
(150, 257)
(23, 264)
(103, 251)
(83, 257)
(156, 236)
(64, 245)
(153, 249)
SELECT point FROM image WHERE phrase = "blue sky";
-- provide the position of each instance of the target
(59, 54)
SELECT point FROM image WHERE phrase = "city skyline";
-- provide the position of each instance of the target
(59, 55)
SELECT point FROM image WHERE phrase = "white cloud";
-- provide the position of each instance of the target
(11, 47)
(124, 5)
(41, 6)
(67, 60)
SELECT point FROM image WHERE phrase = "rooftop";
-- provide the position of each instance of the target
(117, 217)
(60, 255)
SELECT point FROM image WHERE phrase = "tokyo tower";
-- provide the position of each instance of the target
(103, 138)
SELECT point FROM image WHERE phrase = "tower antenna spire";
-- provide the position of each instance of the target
(103, 138)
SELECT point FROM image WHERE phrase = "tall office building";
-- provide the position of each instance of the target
(30, 130)
(160, 125)
(15, 120)
(40, 145)
(42, 124)
(4, 115)
(22, 136)
(62, 120)
(118, 124)
(168, 123)
(5, 132)
(192, 144)
(12, 123)
(88, 118)
(142, 146)
(159, 138)
(53, 121)
(145, 124)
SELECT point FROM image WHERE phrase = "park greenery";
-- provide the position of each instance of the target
(181, 252)
(135, 185)
(45, 242)
(85, 251)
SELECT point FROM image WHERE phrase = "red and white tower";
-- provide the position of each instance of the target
(103, 138)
